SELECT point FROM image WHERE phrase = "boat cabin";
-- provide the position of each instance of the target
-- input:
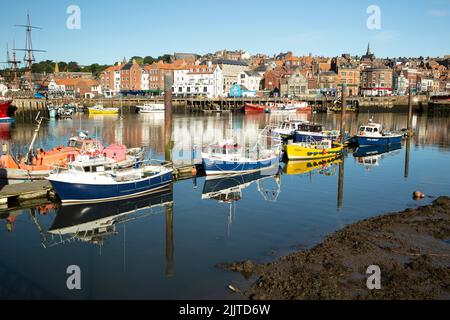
(310, 128)
(371, 128)
(225, 149)
(83, 164)
(291, 125)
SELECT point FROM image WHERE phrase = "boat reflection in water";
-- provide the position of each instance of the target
(228, 188)
(326, 167)
(370, 156)
(94, 223)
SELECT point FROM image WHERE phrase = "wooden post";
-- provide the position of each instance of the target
(408, 147)
(410, 111)
(169, 240)
(341, 185)
(168, 83)
(343, 107)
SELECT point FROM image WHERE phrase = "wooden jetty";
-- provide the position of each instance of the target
(16, 193)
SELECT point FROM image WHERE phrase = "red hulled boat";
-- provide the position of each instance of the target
(255, 108)
(4, 108)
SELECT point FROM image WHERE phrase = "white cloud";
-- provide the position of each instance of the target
(438, 13)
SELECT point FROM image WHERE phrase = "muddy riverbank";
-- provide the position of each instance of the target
(411, 248)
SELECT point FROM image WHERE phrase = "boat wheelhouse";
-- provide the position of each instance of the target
(315, 132)
(286, 129)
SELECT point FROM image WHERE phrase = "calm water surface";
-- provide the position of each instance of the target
(166, 246)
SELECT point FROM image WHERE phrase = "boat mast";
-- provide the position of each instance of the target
(29, 56)
(36, 132)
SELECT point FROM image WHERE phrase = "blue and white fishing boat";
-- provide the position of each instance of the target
(372, 134)
(307, 132)
(227, 157)
(99, 179)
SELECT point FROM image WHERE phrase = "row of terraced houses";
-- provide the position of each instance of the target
(237, 73)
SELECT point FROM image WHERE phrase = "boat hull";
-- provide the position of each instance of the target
(87, 192)
(7, 119)
(295, 152)
(105, 111)
(254, 108)
(378, 141)
(217, 167)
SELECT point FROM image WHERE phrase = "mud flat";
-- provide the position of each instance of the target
(410, 247)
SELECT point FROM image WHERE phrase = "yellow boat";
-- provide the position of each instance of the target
(102, 110)
(313, 150)
(305, 166)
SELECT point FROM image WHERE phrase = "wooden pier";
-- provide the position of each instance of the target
(14, 194)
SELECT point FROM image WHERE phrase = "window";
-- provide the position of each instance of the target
(205, 89)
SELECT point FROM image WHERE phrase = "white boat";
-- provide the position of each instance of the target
(96, 179)
(151, 108)
(228, 157)
(286, 129)
(289, 107)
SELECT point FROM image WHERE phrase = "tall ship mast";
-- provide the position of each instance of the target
(11, 68)
(29, 51)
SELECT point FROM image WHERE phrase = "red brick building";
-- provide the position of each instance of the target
(130, 76)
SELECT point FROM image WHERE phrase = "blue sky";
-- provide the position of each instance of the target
(113, 29)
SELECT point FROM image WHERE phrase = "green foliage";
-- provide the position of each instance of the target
(166, 58)
(149, 60)
(138, 59)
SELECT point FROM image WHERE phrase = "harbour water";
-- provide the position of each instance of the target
(167, 246)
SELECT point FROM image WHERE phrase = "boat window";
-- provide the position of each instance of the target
(375, 130)
(362, 129)
(87, 169)
(368, 129)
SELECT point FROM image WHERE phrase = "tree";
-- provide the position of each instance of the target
(139, 60)
(149, 60)
(94, 68)
(166, 58)
(73, 66)
(62, 66)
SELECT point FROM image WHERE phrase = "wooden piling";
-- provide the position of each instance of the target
(410, 111)
(168, 83)
(343, 107)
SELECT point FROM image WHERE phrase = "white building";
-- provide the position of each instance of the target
(199, 80)
(245, 55)
(145, 83)
(250, 80)
(401, 84)
(425, 85)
